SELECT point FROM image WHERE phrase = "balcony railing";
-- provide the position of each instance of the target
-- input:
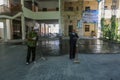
(13, 9)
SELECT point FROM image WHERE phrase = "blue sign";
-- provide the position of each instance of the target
(90, 16)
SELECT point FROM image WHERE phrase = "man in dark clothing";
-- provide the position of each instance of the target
(31, 43)
(73, 39)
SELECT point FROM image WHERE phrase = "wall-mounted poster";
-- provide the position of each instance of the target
(90, 16)
(79, 23)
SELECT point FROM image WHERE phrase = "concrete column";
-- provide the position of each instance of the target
(23, 22)
(22, 2)
(33, 5)
(11, 28)
(44, 29)
(60, 26)
(5, 31)
(23, 27)
(99, 21)
(8, 24)
(40, 29)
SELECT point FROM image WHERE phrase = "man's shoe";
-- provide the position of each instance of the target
(34, 62)
(27, 63)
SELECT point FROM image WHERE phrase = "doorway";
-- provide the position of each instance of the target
(49, 30)
(88, 28)
(70, 29)
(17, 33)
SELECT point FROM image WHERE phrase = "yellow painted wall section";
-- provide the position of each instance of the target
(93, 4)
(118, 4)
(108, 3)
(91, 28)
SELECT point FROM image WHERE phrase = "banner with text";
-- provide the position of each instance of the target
(90, 16)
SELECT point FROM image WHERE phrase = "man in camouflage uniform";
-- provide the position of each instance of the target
(31, 44)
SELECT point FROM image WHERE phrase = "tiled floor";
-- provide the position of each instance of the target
(57, 66)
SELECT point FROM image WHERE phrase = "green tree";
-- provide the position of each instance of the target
(106, 31)
(113, 25)
(114, 28)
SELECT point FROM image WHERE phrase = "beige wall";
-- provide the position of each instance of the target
(93, 4)
(92, 27)
(108, 3)
(70, 17)
(76, 15)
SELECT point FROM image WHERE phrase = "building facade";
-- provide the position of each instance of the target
(17, 16)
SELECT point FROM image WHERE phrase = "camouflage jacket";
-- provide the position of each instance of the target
(32, 39)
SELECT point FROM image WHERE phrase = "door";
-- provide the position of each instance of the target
(88, 28)
(70, 28)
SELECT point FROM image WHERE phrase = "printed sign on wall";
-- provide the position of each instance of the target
(90, 16)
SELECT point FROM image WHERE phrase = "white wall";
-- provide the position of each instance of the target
(108, 14)
(8, 29)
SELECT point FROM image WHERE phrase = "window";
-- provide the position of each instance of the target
(87, 8)
(70, 21)
(106, 7)
(70, 28)
(70, 8)
(113, 7)
(44, 9)
(68, 16)
(77, 8)
(87, 28)
(57, 9)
